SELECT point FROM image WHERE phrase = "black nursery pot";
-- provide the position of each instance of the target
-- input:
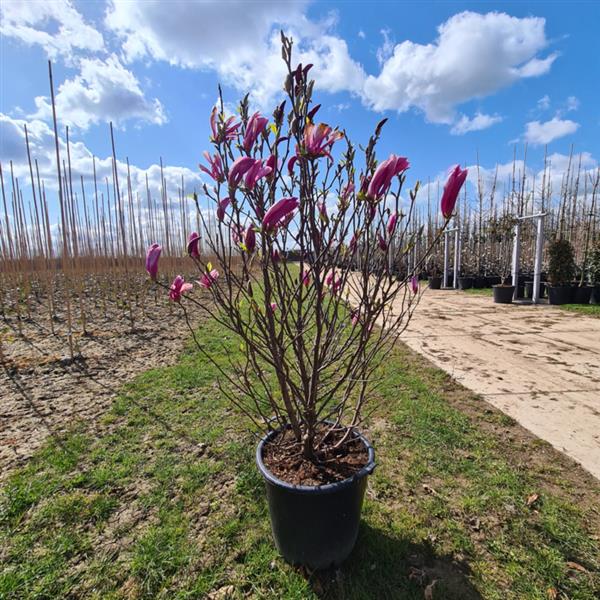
(560, 294)
(595, 299)
(582, 295)
(435, 282)
(465, 283)
(315, 526)
(503, 294)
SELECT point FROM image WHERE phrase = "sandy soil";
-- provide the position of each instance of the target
(43, 391)
(538, 364)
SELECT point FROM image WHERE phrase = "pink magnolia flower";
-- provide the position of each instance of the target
(312, 112)
(353, 242)
(250, 239)
(414, 284)
(453, 184)
(291, 164)
(254, 173)
(192, 246)
(178, 288)
(273, 306)
(346, 193)
(238, 169)
(227, 131)
(275, 256)
(216, 167)
(279, 211)
(256, 125)
(237, 233)
(319, 139)
(306, 278)
(333, 282)
(152, 256)
(355, 316)
(391, 226)
(223, 204)
(382, 243)
(207, 279)
(272, 164)
(384, 174)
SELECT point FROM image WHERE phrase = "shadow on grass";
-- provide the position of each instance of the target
(384, 566)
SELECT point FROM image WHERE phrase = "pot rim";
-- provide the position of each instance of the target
(314, 489)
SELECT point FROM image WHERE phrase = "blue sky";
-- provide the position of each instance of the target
(454, 78)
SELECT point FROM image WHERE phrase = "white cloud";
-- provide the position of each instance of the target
(104, 90)
(197, 34)
(572, 103)
(361, 34)
(248, 57)
(385, 51)
(473, 56)
(41, 140)
(30, 20)
(544, 102)
(537, 132)
(477, 123)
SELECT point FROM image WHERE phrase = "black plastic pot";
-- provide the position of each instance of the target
(582, 295)
(595, 299)
(465, 283)
(435, 282)
(479, 282)
(315, 526)
(529, 290)
(503, 294)
(560, 294)
(493, 280)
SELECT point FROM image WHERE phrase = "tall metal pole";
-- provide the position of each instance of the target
(456, 257)
(446, 251)
(537, 269)
(515, 260)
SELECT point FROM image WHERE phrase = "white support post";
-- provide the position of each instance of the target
(537, 269)
(515, 260)
(446, 250)
(456, 257)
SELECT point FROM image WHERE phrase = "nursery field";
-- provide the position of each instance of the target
(159, 497)
(52, 373)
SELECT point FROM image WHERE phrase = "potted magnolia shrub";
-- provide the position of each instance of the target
(313, 332)
(594, 273)
(561, 270)
(501, 231)
(435, 278)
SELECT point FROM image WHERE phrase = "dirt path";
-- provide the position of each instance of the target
(538, 364)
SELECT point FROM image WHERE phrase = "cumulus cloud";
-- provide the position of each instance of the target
(473, 56)
(544, 102)
(478, 122)
(41, 140)
(55, 26)
(248, 57)
(103, 90)
(537, 132)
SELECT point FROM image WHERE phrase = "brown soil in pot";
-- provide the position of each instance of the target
(283, 458)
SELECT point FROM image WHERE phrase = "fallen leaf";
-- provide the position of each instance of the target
(576, 566)
(552, 593)
(428, 594)
(532, 499)
(429, 490)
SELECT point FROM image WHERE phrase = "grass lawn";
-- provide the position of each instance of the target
(585, 309)
(592, 310)
(163, 500)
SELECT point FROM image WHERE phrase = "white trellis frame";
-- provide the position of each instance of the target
(456, 264)
(539, 246)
